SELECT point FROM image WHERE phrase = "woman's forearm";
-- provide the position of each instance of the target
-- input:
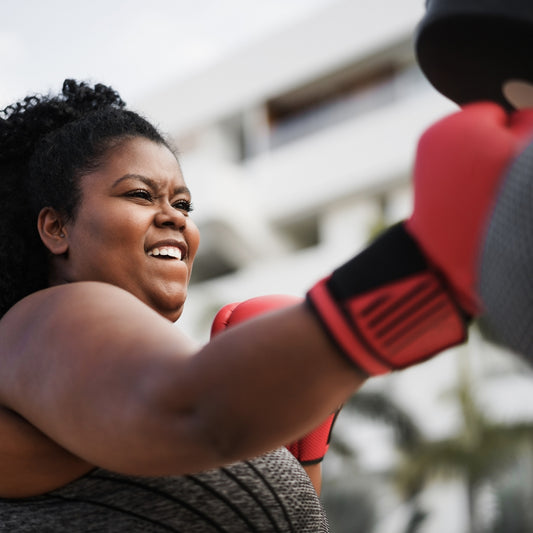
(262, 385)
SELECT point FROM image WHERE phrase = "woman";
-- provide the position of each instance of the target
(111, 418)
(96, 379)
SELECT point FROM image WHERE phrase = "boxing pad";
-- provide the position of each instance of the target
(311, 448)
(474, 50)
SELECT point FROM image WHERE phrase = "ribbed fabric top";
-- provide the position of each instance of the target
(269, 494)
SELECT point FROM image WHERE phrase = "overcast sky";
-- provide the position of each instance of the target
(133, 45)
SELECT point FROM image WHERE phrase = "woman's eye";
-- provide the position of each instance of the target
(140, 193)
(183, 205)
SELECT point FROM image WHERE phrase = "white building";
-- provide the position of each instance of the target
(297, 148)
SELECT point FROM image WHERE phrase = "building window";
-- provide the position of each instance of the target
(335, 98)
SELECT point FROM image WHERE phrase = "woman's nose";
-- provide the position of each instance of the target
(169, 216)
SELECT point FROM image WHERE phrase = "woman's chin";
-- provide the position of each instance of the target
(170, 305)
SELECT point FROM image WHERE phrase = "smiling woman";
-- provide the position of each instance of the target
(126, 229)
(111, 418)
(99, 246)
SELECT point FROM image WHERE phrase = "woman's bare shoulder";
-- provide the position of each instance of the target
(79, 297)
(89, 319)
(77, 361)
(58, 314)
(30, 461)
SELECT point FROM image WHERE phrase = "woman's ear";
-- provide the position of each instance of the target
(51, 227)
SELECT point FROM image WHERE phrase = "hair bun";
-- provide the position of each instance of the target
(84, 98)
(24, 123)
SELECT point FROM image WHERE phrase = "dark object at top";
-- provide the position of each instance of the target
(472, 50)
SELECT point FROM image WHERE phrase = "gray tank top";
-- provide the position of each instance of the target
(269, 494)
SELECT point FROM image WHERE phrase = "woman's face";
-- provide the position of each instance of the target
(133, 229)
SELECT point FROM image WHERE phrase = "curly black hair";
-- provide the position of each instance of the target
(46, 144)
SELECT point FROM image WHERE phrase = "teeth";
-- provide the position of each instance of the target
(168, 251)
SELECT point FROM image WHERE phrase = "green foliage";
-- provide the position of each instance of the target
(482, 453)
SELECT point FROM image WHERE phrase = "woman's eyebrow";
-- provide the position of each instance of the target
(153, 184)
(140, 177)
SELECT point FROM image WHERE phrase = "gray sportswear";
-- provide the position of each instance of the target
(269, 494)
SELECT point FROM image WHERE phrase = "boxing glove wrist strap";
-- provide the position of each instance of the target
(386, 309)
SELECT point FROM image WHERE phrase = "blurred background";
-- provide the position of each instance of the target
(297, 123)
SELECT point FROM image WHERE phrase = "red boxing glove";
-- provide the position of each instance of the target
(411, 293)
(237, 312)
(461, 163)
(312, 447)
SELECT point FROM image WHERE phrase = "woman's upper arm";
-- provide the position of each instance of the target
(119, 386)
(83, 373)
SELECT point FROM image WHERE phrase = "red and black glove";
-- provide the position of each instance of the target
(411, 293)
(311, 448)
